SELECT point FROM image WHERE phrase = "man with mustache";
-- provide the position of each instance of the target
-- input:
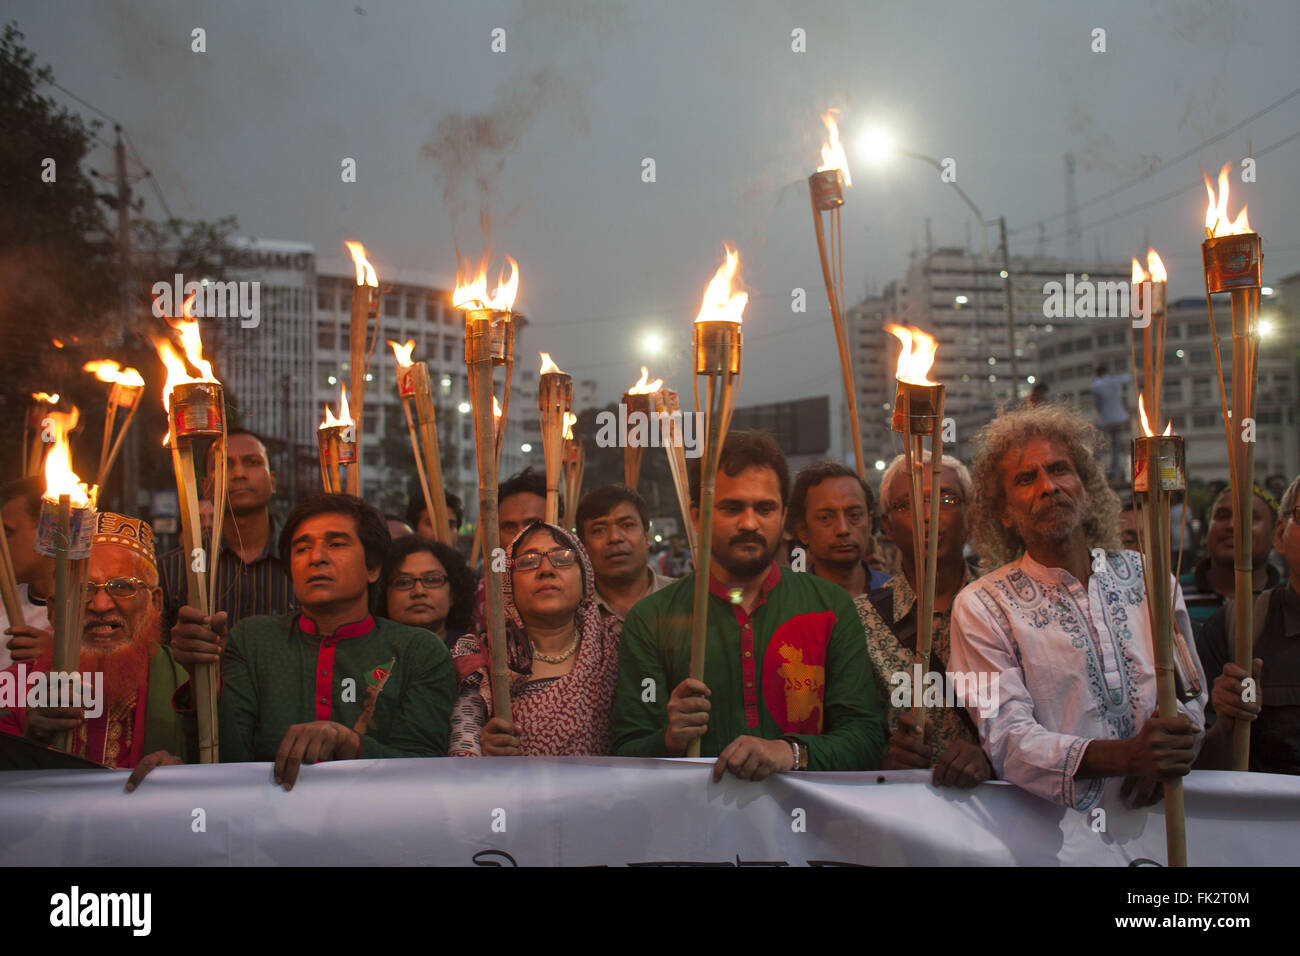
(250, 576)
(951, 745)
(121, 635)
(830, 515)
(1062, 623)
(614, 525)
(787, 682)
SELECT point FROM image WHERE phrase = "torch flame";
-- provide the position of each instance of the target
(720, 303)
(106, 370)
(1216, 210)
(345, 414)
(496, 408)
(644, 386)
(473, 295)
(570, 420)
(917, 355)
(365, 271)
(46, 397)
(60, 479)
(1139, 274)
(177, 370)
(833, 151)
(1156, 267)
(403, 352)
(548, 366)
(1146, 427)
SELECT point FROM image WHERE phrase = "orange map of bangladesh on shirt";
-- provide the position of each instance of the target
(794, 672)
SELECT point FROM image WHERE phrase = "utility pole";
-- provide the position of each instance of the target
(1006, 299)
(130, 472)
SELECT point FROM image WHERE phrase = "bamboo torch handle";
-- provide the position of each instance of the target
(485, 438)
(1244, 453)
(65, 651)
(8, 586)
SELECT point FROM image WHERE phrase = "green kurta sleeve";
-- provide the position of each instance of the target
(641, 710)
(853, 736)
(237, 708)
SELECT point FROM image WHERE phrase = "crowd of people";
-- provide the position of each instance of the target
(343, 633)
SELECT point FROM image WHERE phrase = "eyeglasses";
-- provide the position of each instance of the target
(946, 498)
(429, 579)
(559, 558)
(117, 588)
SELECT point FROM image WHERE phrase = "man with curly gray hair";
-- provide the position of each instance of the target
(1062, 623)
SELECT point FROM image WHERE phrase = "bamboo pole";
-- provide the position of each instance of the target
(196, 570)
(669, 410)
(108, 460)
(829, 275)
(66, 642)
(1243, 451)
(9, 585)
(430, 471)
(554, 402)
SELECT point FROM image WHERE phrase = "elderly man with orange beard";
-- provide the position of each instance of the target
(121, 635)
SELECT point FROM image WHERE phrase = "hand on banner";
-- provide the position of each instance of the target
(963, 764)
(159, 758)
(316, 742)
(198, 638)
(501, 739)
(1227, 692)
(44, 724)
(753, 758)
(688, 716)
(28, 642)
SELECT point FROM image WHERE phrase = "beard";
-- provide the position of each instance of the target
(1056, 523)
(124, 664)
(745, 567)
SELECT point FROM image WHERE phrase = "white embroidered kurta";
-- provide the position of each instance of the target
(1073, 666)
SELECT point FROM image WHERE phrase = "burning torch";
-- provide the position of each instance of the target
(716, 342)
(336, 444)
(918, 411)
(1232, 258)
(554, 405)
(365, 306)
(490, 342)
(414, 386)
(125, 394)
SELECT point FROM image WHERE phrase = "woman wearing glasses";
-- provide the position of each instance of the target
(427, 584)
(563, 657)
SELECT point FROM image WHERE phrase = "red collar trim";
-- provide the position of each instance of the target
(719, 590)
(355, 629)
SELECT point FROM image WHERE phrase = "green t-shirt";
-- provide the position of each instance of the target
(796, 667)
(277, 671)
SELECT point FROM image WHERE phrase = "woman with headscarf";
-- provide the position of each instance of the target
(563, 658)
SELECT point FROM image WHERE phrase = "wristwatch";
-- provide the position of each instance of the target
(800, 752)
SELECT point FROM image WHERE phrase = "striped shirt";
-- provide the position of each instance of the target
(262, 586)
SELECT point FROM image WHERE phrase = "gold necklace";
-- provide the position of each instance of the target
(568, 652)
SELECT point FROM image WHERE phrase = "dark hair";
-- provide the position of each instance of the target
(814, 475)
(741, 450)
(372, 527)
(231, 433)
(527, 482)
(601, 501)
(30, 488)
(460, 579)
(416, 507)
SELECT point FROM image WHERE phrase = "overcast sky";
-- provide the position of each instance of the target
(545, 141)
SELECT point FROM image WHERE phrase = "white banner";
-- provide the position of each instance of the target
(604, 811)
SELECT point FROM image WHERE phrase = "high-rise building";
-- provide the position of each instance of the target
(958, 297)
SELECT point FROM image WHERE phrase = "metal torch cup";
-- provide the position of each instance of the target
(827, 187)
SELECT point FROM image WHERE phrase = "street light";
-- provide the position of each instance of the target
(878, 146)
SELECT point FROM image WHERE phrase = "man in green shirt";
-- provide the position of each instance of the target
(331, 682)
(787, 681)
